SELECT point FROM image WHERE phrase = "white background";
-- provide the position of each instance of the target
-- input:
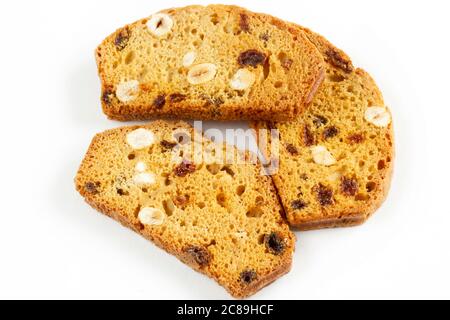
(53, 245)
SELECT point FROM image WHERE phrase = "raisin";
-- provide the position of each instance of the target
(199, 255)
(330, 132)
(355, 138)
(244, 24)
(320, 121)
(248, 276)
(287, 64)
(324, 195)
(298, 205)
(92, 187)
(292, 149)
(265, 36)
(274, 243)
(349, 187)
(338, 61)
(160, 101)
(166, 145)
(177, 97)
(251, 58)
(107, 96)
(184, 169)
(122, 38)
(308, 137)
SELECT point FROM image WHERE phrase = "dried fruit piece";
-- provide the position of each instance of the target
(330, 132)
(144, 179)
(292, 149)
(349, 186)
(274, 243)
(122, 38)
(338, 61)
(184, 169)
(322, 156)
(202, 73)
(355, 138)
(248, 276)
(181, 201)
(287, 63)
(324, 195)
(199, 255)
(168, 145)
(308, 137)
(242, 80)
(251, 58)
(151, 216)
(189, 59)
(320, 121)
(126, 91)
(159, 101)
(140, 138)
(92, 187)
(298, 205)
(243, 23)
(177, 97)
(107, 96)
(160, 24)
(378, 116)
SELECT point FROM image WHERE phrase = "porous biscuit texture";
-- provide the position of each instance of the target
(222, 218)
(336, 160)
(215, 62)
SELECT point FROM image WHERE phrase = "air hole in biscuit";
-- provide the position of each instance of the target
(213, 168)
(194, 31)
(336, 78)
(362, 197)
(201, 205)
(130, 57)
(278, 84)
(240, 190)
(370, 186)
(259, 201)
(361, 163)
(169, 207)
(221, 199)
(381, 165)
(131, 156)
(214, 19)
(167, 182)
(255, 212)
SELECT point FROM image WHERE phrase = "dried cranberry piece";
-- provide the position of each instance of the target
(349, 186)
(338, 61)
(122, 38)
(292, 149)
(248, 276)
(330, 132)
(251, 58)
(274, 243)
(298, 205)
(200, 255)
(160, 101)
(184, 169)
(324, 195)
(355, 138)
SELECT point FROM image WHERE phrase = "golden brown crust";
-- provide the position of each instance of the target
(214, 100)
(210, 229)
(343, 82)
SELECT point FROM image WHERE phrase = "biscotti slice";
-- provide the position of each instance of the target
(216, 62)
(336, 160)
(203, 202)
